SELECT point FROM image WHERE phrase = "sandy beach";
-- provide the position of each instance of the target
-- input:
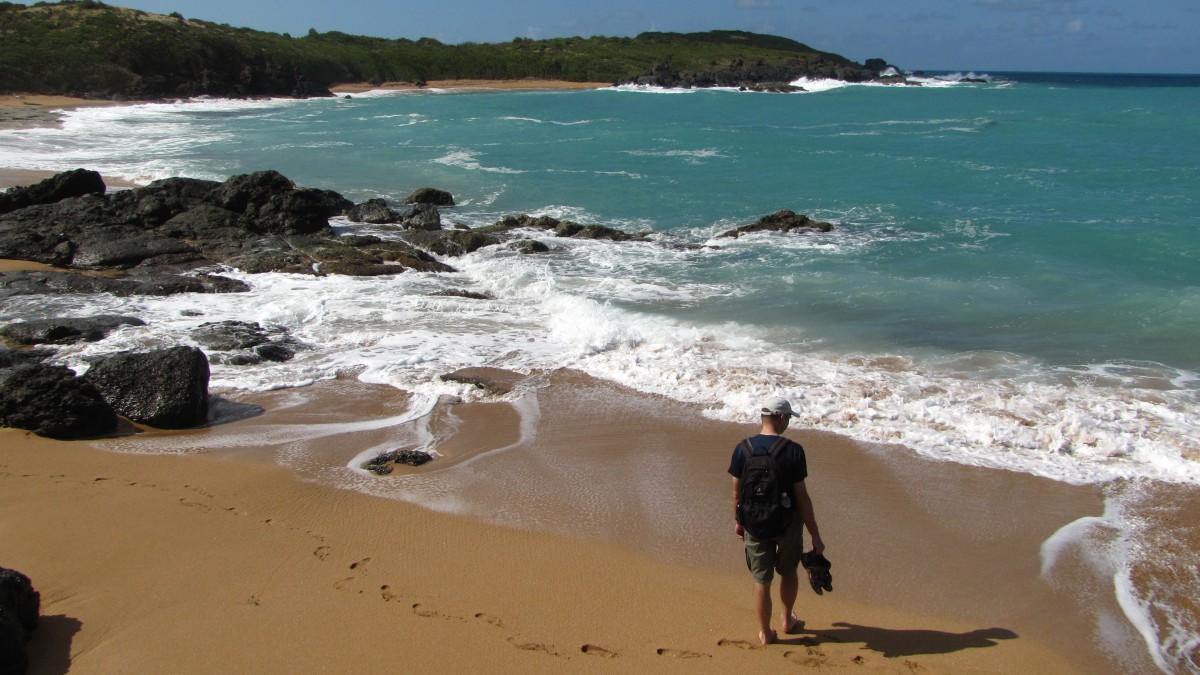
(218, 560)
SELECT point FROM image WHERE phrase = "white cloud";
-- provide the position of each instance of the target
(1075, 26)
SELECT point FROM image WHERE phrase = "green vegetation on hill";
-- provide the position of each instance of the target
(84, 47)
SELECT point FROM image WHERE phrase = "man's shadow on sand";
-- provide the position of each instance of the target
(893, 643)
(49, 648)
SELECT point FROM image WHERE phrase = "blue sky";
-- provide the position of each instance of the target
(1161, 36)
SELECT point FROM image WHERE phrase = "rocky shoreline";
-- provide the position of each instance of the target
(176, 236)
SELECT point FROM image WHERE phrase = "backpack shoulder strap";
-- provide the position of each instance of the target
(747, 447)
(780, 444)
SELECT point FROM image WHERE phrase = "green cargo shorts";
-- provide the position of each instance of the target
(780, 554)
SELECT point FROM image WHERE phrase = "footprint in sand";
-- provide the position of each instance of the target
(681, 654)
(193, 503)
(809, 658)
(322, 552)
(494, 620)
(533, 646)
(740, 644)
(597, 650)
(386, 593)
(426, 612)
(360, 564)
(199, 491)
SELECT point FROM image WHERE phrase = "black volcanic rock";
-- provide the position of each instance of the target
(374, 211)
(66, 330)
(50, 401)
(450, 242)
(422, 217)
(782, 220)
(53, 283)
(428, 195)
(164, 388)
(74, 183)
(20, 609)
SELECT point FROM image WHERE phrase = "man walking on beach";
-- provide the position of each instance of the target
(780, 553)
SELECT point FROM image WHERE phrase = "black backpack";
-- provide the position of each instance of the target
(764, 504)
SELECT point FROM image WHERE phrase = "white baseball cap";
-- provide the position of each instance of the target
(777, 406)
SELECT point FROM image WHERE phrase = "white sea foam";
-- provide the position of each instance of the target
(469, 159)
(535, 120)
(693, 156)
(1111, 547)
(648, 89)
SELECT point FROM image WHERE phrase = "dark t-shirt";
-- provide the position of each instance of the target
(793, 467)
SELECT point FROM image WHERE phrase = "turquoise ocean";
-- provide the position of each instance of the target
(1012, 281)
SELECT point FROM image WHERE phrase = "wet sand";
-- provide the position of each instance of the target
(582, 527)
(18, 111)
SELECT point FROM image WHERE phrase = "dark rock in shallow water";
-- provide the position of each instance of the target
(230, 335)
(67, 330)
(529, 246)
(432, 196)
(459, 293)
(165, 388)
(75, 183)
(577, 231)
(450, 242)
(374, 212)
(381, 464)
(42, 283)
(274, 352)
(782, 220)
(20, 609)
(561, 228)
(50, 401)
(492, 380)
(422, 217)
(256, 344)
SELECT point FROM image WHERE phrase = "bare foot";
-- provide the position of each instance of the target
(766, 636)
(792, 625)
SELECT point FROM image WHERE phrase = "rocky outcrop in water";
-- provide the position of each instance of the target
(782, 220)
(259, 222)
(495, 381)
(374, 212)
(560, 228)
(381, 464)
(20, 610)
(241, 343)
(431, 196)
(66, 330)
(142, 283)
